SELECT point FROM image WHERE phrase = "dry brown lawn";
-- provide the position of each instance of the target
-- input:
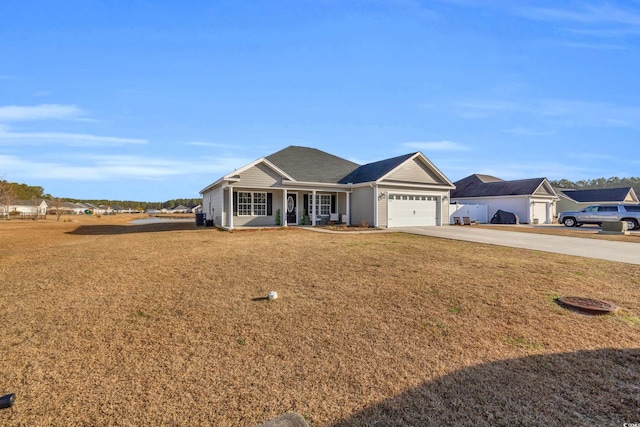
(105, 323)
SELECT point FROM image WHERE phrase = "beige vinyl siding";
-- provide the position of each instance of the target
(383, 208)
(414, 171)
(212, 205)
(217, 206)
(342, 203)
(543, 191)
(206, 203)
(260, 221)
(363, 205)
(260, 176)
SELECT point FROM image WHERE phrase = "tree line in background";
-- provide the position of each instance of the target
(590, 184)
(10, 191)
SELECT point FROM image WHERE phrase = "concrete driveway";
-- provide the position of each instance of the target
(584, 247)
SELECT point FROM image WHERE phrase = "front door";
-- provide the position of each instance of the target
(292, 208)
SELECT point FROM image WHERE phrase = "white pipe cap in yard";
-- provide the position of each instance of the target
(273, 295)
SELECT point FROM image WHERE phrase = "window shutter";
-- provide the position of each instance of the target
(333, 203)
(306, 204)
(269, 203)
(235, 203)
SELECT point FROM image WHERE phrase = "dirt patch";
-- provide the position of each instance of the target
(162, 326)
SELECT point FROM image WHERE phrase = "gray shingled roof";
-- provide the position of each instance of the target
(598, 195)
(374, 171)
(311, 165)
(486, 186)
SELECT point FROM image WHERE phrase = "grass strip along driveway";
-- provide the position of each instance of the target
(105, 323)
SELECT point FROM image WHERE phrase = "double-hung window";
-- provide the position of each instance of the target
(244, 203)
(259, 204)
(252, 204)
(323, 204)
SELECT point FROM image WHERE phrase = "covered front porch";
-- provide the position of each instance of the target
(284, 207)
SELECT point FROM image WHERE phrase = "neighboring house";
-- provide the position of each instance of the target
(66, 208)
(86, 207)
(311, 187)
(575, 200)
(74, 208)
(27, 207)
(533, 200)
(180, 209)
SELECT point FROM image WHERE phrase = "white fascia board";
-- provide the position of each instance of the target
(211, 186)
(315, 185)
(515, 196)
(232, 177)
(545, 183)
(256, 162)
(427, 162)
(439, 187)
(562, 195)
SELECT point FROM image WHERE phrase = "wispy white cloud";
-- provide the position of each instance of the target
(116, 168)
(528, 132)
(540, 169)
(61, 138)
(15, 113)
(606, 32)
(572, 113)
(229, 147)
(437, 146)
(590, 22)
(595, 46)
(589, 14)
(480, 108)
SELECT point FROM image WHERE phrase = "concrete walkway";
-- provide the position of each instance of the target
(589, 248)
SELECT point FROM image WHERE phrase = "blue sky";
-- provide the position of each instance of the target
(154, 100)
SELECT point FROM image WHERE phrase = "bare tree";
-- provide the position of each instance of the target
(6, 198)
(57, 202)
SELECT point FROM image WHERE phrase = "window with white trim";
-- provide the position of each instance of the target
(244, 203)
(260, 204)
(252, 204)
(323, 204)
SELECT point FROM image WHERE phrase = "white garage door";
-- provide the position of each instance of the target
(407, 210)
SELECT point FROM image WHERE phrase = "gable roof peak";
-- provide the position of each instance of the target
(310, 164)
(375, 170)
(487, 178)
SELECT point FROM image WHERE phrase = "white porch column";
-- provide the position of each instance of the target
(230, 213)
(375, 205)
(283, 217)
(348, 208)
(313, 208)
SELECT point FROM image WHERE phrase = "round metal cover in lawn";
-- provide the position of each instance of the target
(588, 305)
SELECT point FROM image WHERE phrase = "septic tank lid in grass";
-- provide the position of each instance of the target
(588, 305)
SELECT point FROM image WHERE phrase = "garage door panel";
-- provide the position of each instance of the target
(411, 211)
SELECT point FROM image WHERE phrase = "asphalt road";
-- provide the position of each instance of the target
(584, 247)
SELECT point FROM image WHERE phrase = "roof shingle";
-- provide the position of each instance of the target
(486, 186)
(597, 195)
(311, 165)
(374, 171)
